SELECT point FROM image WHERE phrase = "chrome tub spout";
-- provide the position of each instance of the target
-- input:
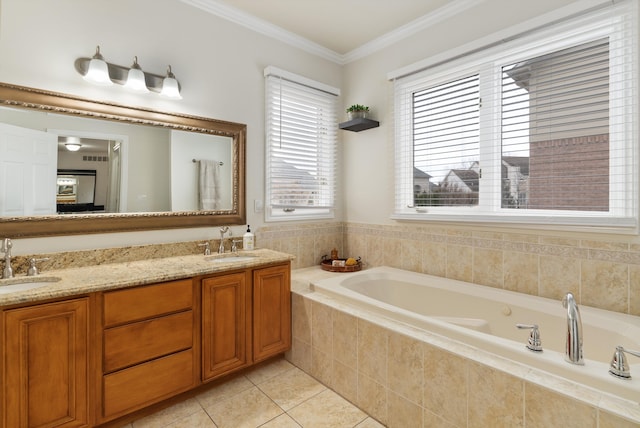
(573, 348)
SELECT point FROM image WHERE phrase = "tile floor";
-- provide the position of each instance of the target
(276, 395)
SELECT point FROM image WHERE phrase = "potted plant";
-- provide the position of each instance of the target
(357, 111)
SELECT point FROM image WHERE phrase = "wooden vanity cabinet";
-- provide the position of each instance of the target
(149, 345)
(271, 311)
(246, 318)
(92, 359)
(225, 319)
(45, 365)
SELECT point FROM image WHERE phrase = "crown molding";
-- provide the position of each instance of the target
(223, 10)
(239, 17)
(450, 9)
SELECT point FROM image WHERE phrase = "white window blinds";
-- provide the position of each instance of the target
(541, 129)
(446, 129)
(301, 140)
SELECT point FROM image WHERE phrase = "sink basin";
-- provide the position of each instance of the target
(14, 285)
(229, 258)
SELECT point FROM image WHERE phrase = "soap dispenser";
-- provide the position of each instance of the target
(247, 239)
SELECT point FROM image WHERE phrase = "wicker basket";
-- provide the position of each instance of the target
(327, 264)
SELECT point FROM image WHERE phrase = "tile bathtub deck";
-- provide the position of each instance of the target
(276, 395)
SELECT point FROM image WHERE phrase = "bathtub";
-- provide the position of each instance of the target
(486, 318)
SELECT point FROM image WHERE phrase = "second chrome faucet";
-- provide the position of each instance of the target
(223, 230)
(6, 249)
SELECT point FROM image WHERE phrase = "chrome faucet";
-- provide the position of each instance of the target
(619, 367)
(207, 248)
(6, 249)
(534, 344)
(223, 230)
(573, 349)
(33, 268)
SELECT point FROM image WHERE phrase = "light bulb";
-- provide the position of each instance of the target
(135, 78)
(170, 88)
(98, 71)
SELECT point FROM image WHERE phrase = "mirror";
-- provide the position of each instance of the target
(76, 191)
(145, 177)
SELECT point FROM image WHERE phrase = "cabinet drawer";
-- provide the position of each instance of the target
(142, 341)
(136, 387)
(139, 303)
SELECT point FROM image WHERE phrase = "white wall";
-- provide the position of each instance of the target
(368, 155)
(219, 65)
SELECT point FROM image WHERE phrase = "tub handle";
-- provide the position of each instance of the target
(619, 367)
(535, 343)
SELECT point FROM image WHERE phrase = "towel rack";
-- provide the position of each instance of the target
(219, 163)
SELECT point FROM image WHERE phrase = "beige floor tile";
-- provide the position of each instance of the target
(169, 415)
(248, 409)
(224, 391)
(268, 371)
(196, 420)
(282, 421)
(369, 423)
(291, 388)
(327, 410)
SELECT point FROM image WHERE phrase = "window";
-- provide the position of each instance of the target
(301, 142)
(541, 129)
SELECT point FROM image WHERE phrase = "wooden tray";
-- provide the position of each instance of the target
(326, 265)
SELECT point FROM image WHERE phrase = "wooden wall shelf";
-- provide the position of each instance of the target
(359, 124)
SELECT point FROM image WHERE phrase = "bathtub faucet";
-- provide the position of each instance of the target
(573, 349)
(5, 248)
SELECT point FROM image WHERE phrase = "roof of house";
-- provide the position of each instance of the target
(418, 173)
(469, 177)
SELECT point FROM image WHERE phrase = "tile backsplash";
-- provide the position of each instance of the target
(599, 272)
(603, 273)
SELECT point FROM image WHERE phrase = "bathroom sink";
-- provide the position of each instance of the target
(14, 285)
(229, 258)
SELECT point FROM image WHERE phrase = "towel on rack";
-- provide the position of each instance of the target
(209, 184)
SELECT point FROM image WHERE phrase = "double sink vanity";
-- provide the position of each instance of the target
(91, 345)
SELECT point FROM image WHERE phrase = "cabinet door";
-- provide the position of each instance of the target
(45, 365)
(271, 311)
(224, 324)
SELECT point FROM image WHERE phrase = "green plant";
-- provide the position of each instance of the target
(357, 107)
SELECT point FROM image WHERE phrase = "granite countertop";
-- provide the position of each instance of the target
(82, 280)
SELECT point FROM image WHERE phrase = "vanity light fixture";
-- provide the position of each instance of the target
(135, 78)
(131, 77)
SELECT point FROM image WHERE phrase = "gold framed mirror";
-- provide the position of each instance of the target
(19, 99)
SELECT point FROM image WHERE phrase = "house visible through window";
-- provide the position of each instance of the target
(555, 130)
(301, 139)
(543, 127)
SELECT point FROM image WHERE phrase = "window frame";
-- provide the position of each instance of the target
(488, 63)
(273, 212)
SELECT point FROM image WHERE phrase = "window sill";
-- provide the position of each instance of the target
(616, 225)
(304, 216)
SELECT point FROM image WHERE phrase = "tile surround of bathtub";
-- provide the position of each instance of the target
(405, 377)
